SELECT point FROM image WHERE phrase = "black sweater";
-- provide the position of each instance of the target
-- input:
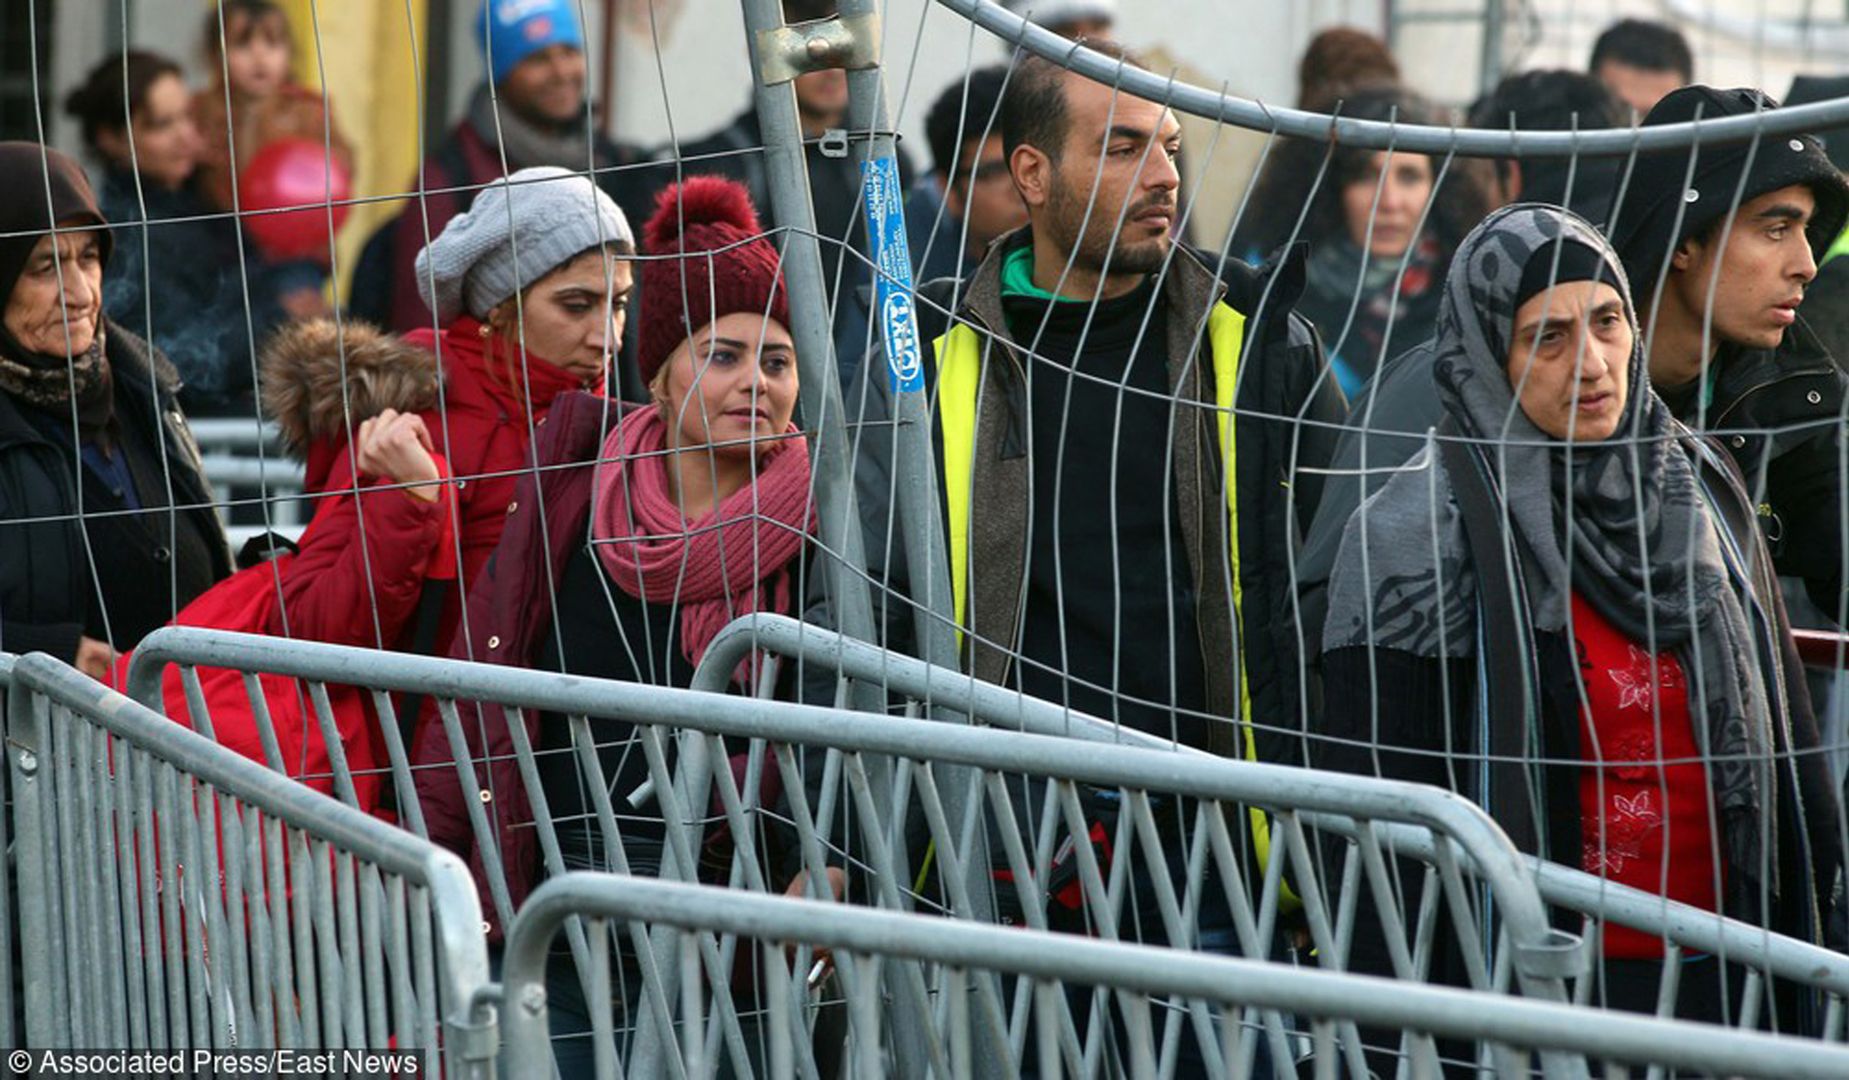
(1110, 626)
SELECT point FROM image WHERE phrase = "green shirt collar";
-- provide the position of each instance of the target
(1018, 277)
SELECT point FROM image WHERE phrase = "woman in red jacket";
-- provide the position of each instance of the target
(347, 403)
(659, 524)
(531, 284)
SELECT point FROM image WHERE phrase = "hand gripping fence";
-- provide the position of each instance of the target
(1140, 978)
(1054, 805)
(176, 895)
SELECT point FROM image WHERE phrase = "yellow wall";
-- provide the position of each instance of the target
(365, 50)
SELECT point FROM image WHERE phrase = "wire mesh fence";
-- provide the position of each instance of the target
(1499, 450)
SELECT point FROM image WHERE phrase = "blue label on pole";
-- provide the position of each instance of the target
(893, 304)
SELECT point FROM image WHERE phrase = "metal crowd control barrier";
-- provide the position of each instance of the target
(10, 1034)
(1138, 837)
(1591, 901)
(180, 896)
(1769, 956)
(1141, 981)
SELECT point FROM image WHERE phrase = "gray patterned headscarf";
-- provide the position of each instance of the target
(1623, 522)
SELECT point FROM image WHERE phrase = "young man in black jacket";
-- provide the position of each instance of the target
(1719, 290)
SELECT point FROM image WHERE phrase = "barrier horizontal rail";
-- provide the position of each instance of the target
(1822, 648)
(964, 947)
(902, 674)
(1375, 135)
(1200, 775)
(280, 477)
(181, 896)
(1691, 930)
(232, 434)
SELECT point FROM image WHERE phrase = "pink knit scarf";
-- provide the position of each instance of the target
(730, 562)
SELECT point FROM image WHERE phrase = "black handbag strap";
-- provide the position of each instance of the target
(424, 643)
(1513, 794)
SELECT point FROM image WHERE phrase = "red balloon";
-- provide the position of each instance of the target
(299, 177)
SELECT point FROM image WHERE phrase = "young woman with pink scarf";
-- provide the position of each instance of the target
(646, 529)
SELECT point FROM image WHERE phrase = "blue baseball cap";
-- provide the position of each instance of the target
(509, 31)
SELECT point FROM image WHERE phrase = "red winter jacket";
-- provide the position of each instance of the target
(324, 596)
(362, 562)
(484, 429)
(362, 565)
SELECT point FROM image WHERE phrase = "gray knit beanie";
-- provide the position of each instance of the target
(551, 214)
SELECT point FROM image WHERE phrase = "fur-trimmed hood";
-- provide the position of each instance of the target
(302, 366)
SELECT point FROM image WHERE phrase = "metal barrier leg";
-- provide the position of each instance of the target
(40, 948)
(10, 1035)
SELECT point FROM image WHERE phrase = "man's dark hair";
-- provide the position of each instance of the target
(1034, 106)
(1546, 100)
(963, 113)
(1640, 43)
(116, 90)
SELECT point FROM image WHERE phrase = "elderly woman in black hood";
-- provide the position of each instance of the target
(106, 522)
(1578, 620)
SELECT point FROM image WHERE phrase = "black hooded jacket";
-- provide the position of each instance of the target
(147, 565)
(1779, 412)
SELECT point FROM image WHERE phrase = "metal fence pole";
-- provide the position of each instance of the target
(27, 718)
(786, 168)
(883, 199)
(1490, 72)
(788, 177)
(10, 1035)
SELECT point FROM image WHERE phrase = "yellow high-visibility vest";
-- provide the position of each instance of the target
(959, 375)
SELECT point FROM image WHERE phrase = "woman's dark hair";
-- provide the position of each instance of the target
(115, 91)
(1339, 59)
(1459, 200)
(243, 19)
(1547, 100)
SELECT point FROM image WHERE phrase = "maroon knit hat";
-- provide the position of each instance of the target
(730, 266)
